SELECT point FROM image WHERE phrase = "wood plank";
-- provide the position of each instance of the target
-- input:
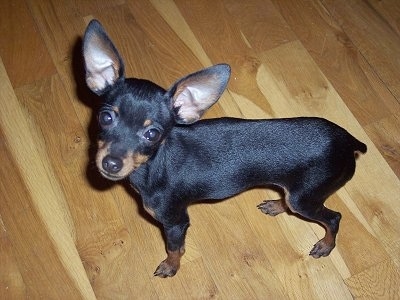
(222, 40)
(360, 239)
(12, 285)
(175, 43)
(389, 10)
(34, 206)
(384, 132)
(337, 56)
(372, 36)
(161, 43)
(42, 271)
(378, 282)
(385, 135)
(231, 251)
(102, 239)
(267, 28)
(181, 29)
(24, 55)
(61, 27)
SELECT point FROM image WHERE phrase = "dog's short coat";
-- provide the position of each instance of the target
(154, 137)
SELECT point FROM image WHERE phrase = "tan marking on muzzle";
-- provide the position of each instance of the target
(102, 151)
(139, 159)
(130, 162)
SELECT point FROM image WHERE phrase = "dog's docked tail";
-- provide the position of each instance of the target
(359, 147)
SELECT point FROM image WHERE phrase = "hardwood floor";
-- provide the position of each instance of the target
(66, 233)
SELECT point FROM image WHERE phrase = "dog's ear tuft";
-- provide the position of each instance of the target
(192, 95)
(103, 63)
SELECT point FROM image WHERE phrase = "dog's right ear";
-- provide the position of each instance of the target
(103, 64)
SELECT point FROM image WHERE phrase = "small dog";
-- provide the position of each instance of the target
(154, 137)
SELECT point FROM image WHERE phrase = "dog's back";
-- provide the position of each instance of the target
(218, 158)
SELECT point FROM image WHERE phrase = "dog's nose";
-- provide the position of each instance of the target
(112, 164)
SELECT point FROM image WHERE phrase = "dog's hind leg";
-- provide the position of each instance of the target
(314, 210)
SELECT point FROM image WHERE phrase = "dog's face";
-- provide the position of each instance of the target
(134, 120)
(137, 115)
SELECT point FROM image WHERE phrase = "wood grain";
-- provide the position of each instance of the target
(22, 50)
(38, 208)
(380, 44)
(66, 233)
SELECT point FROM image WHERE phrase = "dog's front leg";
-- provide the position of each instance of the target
(175, 235)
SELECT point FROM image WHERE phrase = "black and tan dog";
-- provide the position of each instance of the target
(154, 137)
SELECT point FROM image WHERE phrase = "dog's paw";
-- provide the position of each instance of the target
(272, 207)
(322, 248)
(165, 270)
(171, 264)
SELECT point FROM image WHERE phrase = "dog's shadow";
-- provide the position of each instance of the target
(89, 99)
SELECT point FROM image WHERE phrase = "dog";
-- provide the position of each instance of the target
(155, 138)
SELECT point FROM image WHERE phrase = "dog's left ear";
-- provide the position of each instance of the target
(192, 95)
(103, 64)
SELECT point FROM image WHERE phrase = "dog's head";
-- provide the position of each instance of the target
(137, 115)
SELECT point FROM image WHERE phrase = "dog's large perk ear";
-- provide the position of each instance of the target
(103, 63)
(194, 94)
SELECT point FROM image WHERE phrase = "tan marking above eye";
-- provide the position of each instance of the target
(147, 122)
(102, 151)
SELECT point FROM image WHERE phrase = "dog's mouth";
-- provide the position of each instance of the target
(114, 167)
(110, 176)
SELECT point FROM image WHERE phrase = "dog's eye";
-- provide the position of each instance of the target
(106, 118)
(152, 135)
